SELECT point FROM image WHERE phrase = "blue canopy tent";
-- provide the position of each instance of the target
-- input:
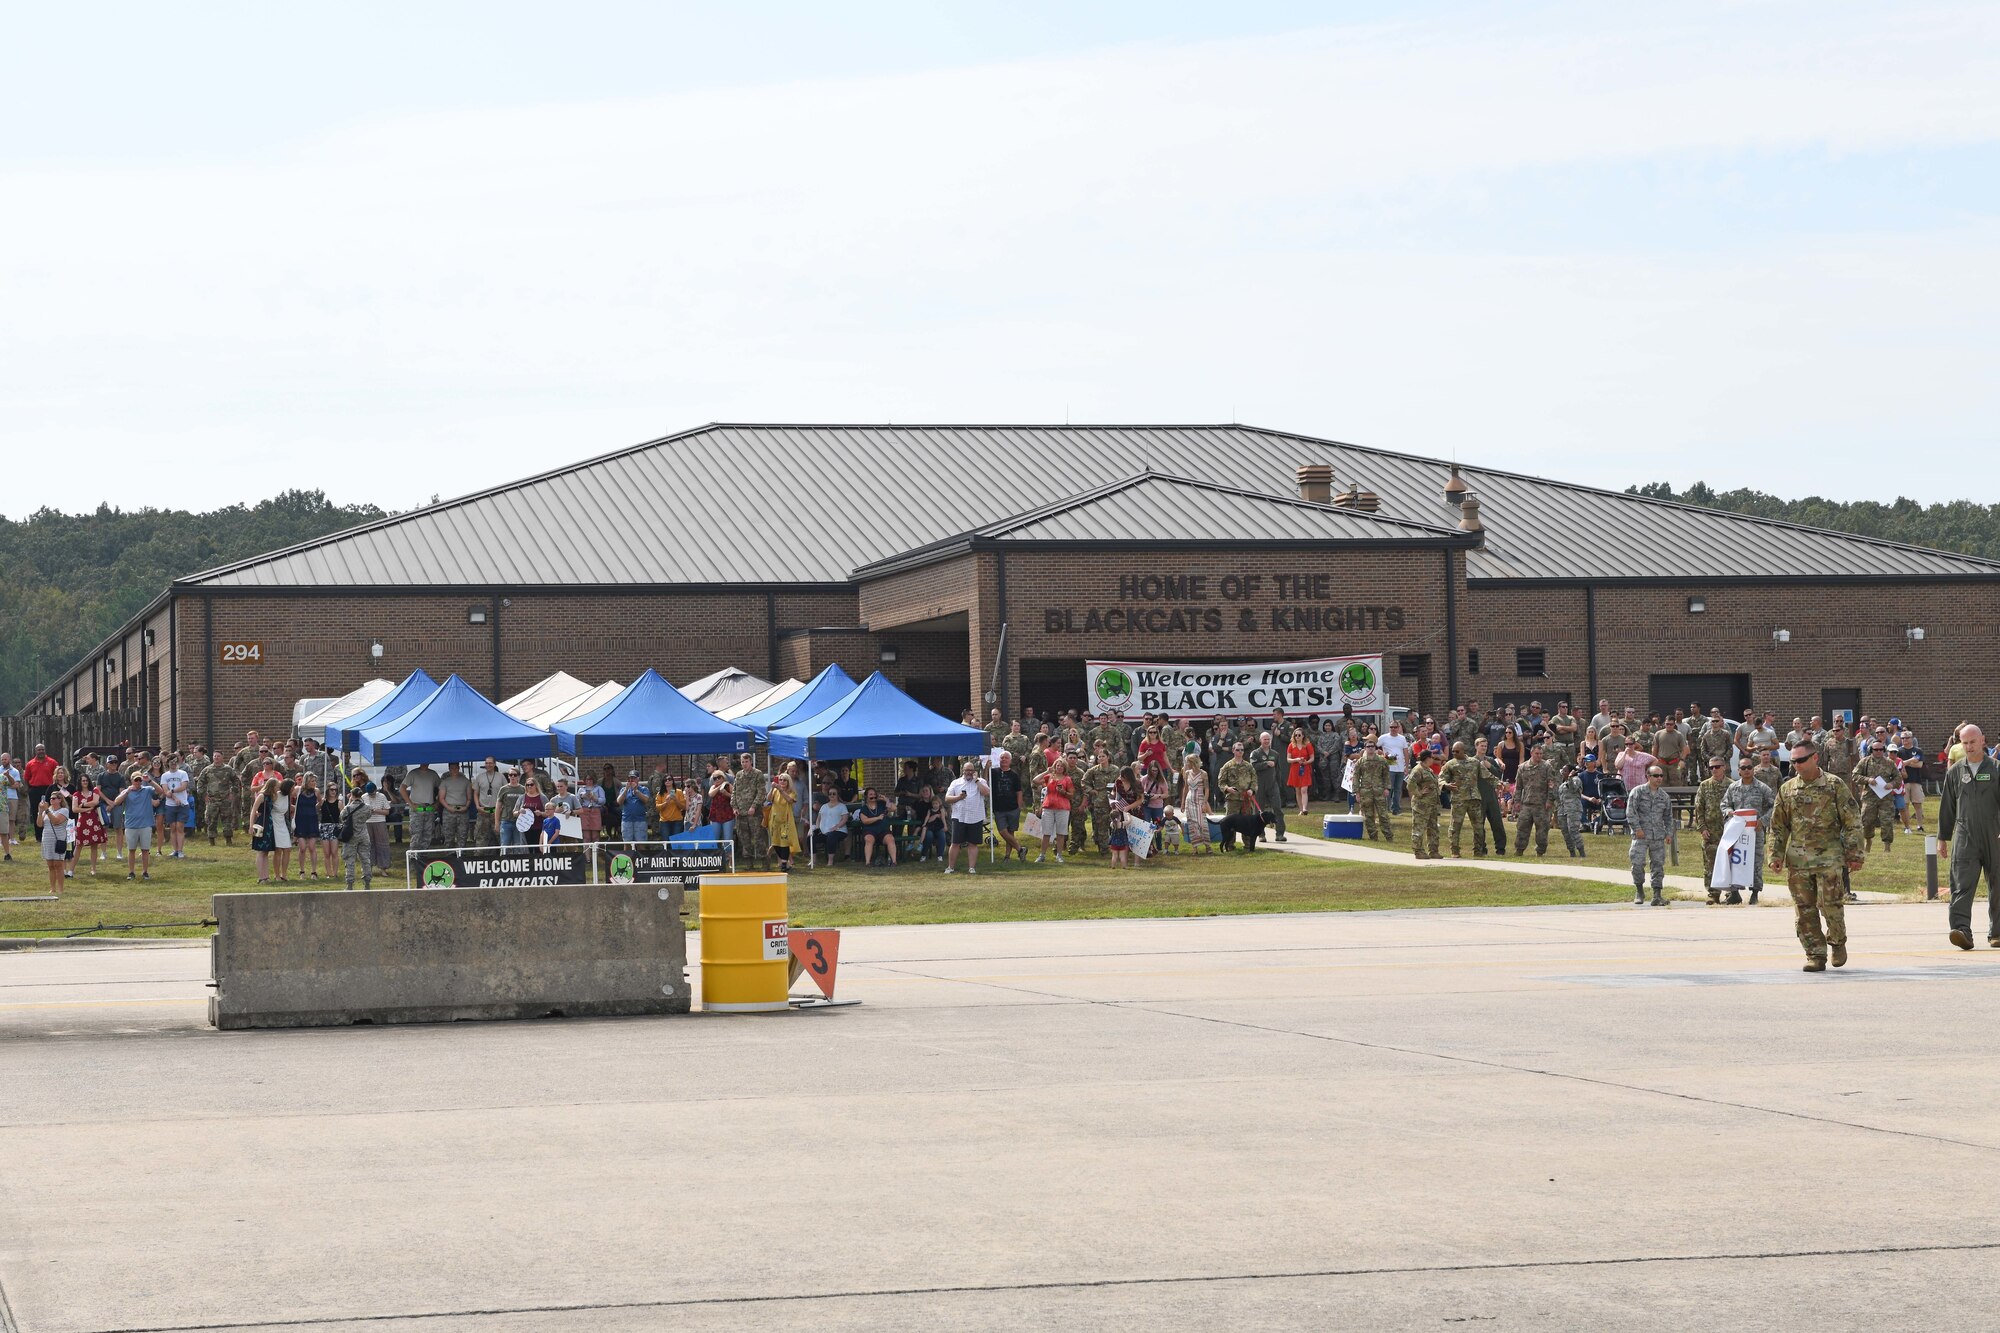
(649, 716)
(345, 734)
(456, 724)
(822, 692)
(875, 721)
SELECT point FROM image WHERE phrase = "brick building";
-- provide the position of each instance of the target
(963, 560)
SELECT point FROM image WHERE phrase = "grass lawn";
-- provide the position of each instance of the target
(1900, 870)
(1184, 885)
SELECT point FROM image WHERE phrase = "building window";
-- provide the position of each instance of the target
(1471, 661)
(1531, 661)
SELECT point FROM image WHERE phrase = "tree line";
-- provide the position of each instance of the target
(72, 579)
(1959, 525)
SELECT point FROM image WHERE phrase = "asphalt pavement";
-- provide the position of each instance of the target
(1589, 1118)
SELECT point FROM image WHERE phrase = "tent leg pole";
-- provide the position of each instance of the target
(812, 825)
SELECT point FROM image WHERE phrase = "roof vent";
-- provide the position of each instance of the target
(1315, 483)
(1455, 488)
(1355, 498)
(1470, 523)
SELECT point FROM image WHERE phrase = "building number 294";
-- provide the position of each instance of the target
(243, 652)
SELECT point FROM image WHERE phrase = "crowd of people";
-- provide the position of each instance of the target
(1047, 789)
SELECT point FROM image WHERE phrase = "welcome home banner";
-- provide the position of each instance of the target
(1318, 685)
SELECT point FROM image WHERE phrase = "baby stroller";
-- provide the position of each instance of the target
(1611, 814)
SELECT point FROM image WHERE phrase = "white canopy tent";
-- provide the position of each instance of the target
(544, 695)
(723, 688)
(592, 696)
(784, 689)
(314, 723)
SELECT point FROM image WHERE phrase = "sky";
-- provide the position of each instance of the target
(396, 250)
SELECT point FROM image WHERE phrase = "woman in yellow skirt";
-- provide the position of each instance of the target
(779, 822)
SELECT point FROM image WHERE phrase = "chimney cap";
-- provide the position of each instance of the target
(1456, 485)
(1470, 523)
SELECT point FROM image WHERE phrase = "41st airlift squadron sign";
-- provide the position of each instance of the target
(1318, 685)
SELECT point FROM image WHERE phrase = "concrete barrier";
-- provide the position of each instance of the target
(284, 960)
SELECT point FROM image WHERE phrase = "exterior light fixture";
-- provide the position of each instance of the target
(476, 616)
(149, 638)
(1915, 634)
(110, 666)
(887, 655)
(1697, 605)
(375, 650)
(1781, 636)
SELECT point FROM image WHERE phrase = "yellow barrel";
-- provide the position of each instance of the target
(746, 950)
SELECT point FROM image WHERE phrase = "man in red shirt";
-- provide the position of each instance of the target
(40, 774)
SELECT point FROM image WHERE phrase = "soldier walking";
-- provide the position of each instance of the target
(1709, 819)
(1534, 789)
(1969, 821)
(1876, 810)
(1097, 780)
(1237, 781)
(1422, 786)
(1649, 813)
(1749, 792)
(1569, 812)
(1371, 791)
(1815, 832)
(1490, 778)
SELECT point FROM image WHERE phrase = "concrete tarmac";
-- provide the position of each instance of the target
(1547, 1118)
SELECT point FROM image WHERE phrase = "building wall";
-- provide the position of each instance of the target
(1250, 605)
(320, 645)
(1497, 621)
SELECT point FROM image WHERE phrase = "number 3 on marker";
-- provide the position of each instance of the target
(818, 963)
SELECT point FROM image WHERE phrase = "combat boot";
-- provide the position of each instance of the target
(1753, 896)
(1814, 965)
(1962, 938)
(1638, 897)
(1658, 901)
(1715, 897)
(1733, 898)
(1839, 955)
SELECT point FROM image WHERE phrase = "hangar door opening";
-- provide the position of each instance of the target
(1729, 693)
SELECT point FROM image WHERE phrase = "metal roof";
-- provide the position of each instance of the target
(853, 496)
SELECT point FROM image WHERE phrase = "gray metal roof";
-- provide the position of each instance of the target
(852, 496)
(1154, 508)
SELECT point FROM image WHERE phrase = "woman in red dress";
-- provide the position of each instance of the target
(89, 821)
(1299, 766)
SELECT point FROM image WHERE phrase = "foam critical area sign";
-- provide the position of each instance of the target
(1316, 685)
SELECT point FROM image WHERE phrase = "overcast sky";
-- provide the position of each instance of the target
(396, 249)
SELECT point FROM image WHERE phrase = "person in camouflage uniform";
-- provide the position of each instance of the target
(221, 802)
(1534, 793)
(1876, 810)
(1713, 743)
(1371, 791)
(1747, 793)
(1649, 816)
(1097, 780)
(750, 793)
(1236, 779)
(1175, 738)
(1016, 742)
(1111, 736)
(996, 727)
(1461, 778)
(1422, 786)
(1815, 835)
(1768, 772)
(1464, 730)
(1838, 755)
(1569, 811)
(1268, 758)
(1709, 817)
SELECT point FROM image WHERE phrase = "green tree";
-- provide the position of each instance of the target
(75, 578)
(1957, 525)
